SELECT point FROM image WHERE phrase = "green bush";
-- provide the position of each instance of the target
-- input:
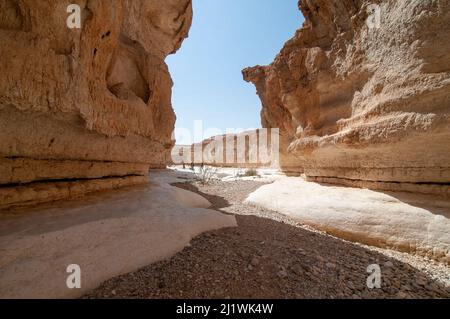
(251, 172)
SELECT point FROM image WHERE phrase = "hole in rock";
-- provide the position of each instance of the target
(124, 77)
(107, 34)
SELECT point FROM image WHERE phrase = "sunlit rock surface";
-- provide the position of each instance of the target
(106, 234)
(89, 103)
(364, 106)
(403, 221)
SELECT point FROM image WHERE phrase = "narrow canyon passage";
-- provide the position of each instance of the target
(352, 111)
(272, 256)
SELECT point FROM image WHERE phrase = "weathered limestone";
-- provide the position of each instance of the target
(364, 106)
(254, 148)
(406, 222)
(86, 103)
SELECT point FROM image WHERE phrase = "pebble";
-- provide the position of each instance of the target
(402, 295)
(421, 281)
(298, 270)
(350, 285)
(255, 261)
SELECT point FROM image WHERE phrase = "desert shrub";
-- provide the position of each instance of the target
(206, 174)
(251, 172)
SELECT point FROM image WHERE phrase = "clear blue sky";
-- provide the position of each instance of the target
(227, 36)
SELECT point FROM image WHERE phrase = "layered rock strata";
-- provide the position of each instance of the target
(362, 94)
(87, 103)
(249, 149)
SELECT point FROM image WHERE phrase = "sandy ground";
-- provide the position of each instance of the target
(272, 256)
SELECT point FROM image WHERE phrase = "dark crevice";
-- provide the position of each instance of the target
(51, 142)
(62, 160)
(107, 34)
(67, 180)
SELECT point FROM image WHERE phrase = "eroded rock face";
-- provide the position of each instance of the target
(249, 149)
(360, 105)
(86, 103)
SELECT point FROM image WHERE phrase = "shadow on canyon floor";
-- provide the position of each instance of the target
(268, 257)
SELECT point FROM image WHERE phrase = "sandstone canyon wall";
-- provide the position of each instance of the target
(364, 104)
(249, 149)
(85, 109)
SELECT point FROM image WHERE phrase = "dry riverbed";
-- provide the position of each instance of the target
(270, 256)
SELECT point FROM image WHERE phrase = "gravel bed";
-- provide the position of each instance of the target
(271, 256)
